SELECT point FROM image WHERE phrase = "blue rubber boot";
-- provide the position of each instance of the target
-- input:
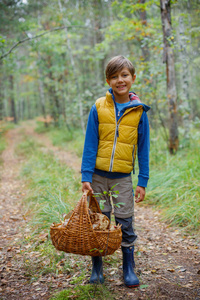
(97, 270)
(130, 278)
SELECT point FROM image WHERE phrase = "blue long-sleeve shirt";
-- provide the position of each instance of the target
(92, 140)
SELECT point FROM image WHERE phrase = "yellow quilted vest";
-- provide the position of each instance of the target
(117, 141)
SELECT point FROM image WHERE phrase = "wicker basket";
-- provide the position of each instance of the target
(79, 237)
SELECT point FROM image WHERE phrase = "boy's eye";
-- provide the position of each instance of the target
(114, 76)
(125, 75)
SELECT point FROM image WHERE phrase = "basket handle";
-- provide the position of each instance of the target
(93, 204)
(86, 193)
(82, 205)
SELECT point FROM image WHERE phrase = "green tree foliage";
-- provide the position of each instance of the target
(53, 73)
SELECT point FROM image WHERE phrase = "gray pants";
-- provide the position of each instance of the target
(124, 213)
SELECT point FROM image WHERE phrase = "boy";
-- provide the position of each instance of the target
(117, 129)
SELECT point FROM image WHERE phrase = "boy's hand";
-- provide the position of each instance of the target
(86, 186)
(139, 194)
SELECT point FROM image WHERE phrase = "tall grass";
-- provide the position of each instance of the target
(2, 148)
(2, 143)
(174, 185)
(3, 128)
(54, 188)
(70, 140)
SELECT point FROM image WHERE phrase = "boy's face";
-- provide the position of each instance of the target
(121, 83)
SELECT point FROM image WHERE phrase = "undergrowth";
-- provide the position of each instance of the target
(87, 291)
(2, 143)
(70, 140)
(3, 128)
(2, 147)
(54, 188)
(174, 184)
(174, 179)
(53, 191)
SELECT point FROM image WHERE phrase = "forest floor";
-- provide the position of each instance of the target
(167, 262)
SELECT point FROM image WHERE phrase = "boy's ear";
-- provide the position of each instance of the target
(134, 76)
(108, 81)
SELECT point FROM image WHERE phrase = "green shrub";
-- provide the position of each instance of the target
(83, 292)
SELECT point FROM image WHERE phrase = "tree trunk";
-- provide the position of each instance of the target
(53, 95)
(184, 78)
(65, 22)
(168, 58)
(97, 8)
(12, 100)
(144, 44)
(28, 104)
(41, 91)
(1, 93)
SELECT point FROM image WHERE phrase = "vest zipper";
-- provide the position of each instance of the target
(115, 140)
(133, 155)
(114, 147)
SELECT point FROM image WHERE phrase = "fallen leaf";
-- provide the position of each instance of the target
(28, 246)
(118, 282)
(171, 270)
(178, 267)
(15, 218)
(42, 294)
(35, 283)
(43, 237)
(146, 272)
(3, 281)
(187, 285)
(182, 270)
(59, 284)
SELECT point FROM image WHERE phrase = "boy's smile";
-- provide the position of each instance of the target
(121, 83)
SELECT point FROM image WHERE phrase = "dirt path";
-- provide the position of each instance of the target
(11, 191)
(68, 158)
(167, 262)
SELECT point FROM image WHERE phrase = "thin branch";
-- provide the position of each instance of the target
(39, 35)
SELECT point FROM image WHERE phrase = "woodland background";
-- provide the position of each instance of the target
(52, 59)
(61, 72)
(53, 56)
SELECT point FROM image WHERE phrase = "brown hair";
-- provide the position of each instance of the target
(117, 63)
